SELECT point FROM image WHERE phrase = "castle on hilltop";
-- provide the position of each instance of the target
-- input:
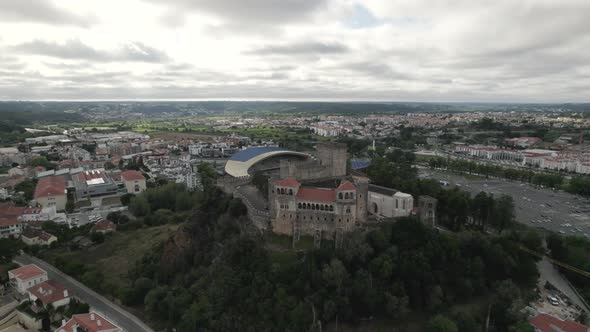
(313, 194)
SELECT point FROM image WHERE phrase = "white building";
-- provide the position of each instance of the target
(26, 277)
(389, 203)
(134, 181)
(38, 214)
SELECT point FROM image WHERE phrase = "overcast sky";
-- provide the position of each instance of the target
(374, 50)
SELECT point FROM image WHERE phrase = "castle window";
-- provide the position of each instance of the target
(308, 206)
(317, 206)
(404, 205)
(347, 210)
(313, 206)
(299, 205)
(396, 204)
(331, 208)
(322, 207)
(340, 195)
(346, 196)
(290, 191)
(339, 220)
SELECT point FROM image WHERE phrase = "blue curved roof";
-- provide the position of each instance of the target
(249, 153)
(359, 164)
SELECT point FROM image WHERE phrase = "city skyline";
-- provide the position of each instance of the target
(300, 50)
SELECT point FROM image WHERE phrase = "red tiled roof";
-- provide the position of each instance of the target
(288, 182)
(49, 291)
(32, 211)
(536, 154)
(316, 194)
(104, 225)
(89, 321)
(32, 233)
(12, 211)
(50, 186)
(131, 175)
(547, 323)
(27, 272)
(9, 221)
(347, 185)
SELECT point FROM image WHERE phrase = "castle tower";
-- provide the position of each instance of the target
(362, 197)
(333, 155)
(283, 211)
(345, 208)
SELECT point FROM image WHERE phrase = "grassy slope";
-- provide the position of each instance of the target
(119, 252)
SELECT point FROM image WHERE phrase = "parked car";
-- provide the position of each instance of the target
(553, 300)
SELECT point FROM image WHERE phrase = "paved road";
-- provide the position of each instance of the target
(549, 272)
(98, 303)
(557, 211)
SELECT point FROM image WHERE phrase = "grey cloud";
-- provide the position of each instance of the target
(301, 48)
(75, 49)
(40, 91)
(268, 12)
(41, 11)
(377, 70)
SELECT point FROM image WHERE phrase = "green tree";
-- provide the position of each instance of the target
(503, 213)
(41, 161)
(126, 199)
(97, 237)
(70, 206)
(440, 323)
(139, 206)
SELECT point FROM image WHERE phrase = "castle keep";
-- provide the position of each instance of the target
(297, 209)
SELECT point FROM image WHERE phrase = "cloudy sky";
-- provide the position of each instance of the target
(381, 50)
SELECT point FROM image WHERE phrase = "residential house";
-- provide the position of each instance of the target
(51, 191)
(90, 322)
(26, 277)
(10, 220)
(33, 236)
(134, 181)
(50, 292)
(104, 226)
(38, 214)
(548, 323)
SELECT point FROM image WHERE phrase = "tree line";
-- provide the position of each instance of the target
(472, 167)
(456, 209)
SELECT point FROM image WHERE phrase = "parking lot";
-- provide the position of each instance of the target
(88, 216)
(557, 211)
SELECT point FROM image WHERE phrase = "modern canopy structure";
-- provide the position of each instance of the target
(239, 164)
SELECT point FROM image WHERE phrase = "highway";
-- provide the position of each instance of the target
(98, 303)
